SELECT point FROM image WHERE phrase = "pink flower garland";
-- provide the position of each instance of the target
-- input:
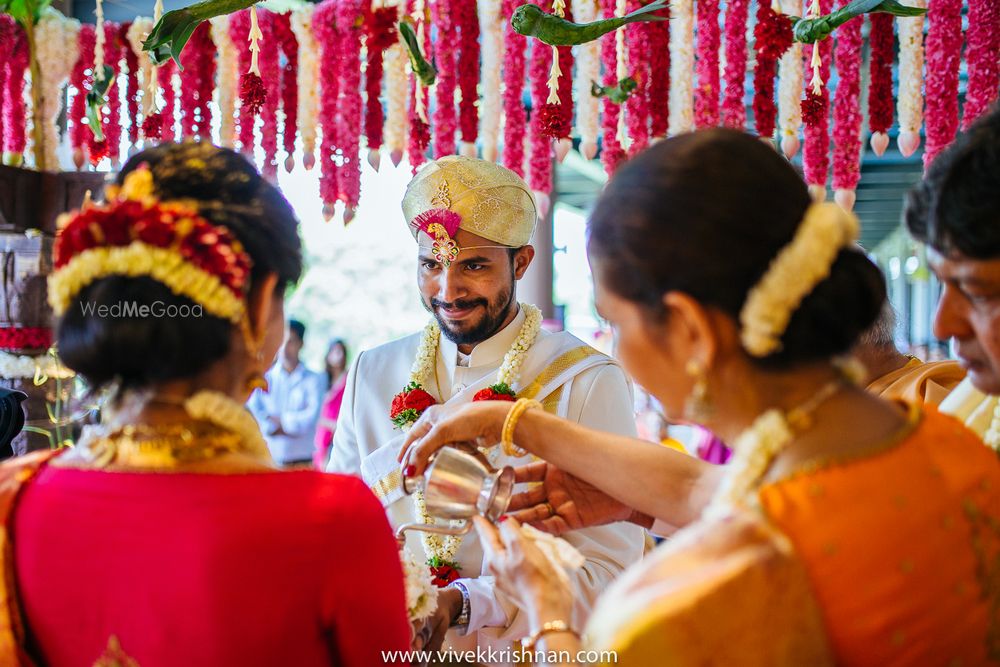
(327, 38)
(733, 109)
(847, 113)
(658, 88)
(193, 108)
(816, 115)
(515, 119)
(612, 153)
(131, 84)
(880, 102)
(351, 104)
(943, 57)
(468, 71)
(982, 57)
(772, 37)
(168, 113)
(565, 129)
(81, 82)
(380, 34)
(445, 52)
(270, 75)
(637, 105)
(289, 46)
(239, 30)
(706, 93)
(111, 123)
(540, 159)
(207, 80)
(7, 26)
(14, 140)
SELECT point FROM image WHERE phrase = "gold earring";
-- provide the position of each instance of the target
(253, 345)
(697, 407)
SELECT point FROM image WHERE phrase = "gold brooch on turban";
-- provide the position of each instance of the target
(477, 196)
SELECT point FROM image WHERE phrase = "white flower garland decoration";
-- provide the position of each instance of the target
(444, 547)
(421, 593)
(491, 45)
(55, 36)
(790, 80)
(911, 79)
(621, 73)
(227, 87)
(216, 408)
(308, 75)
(22, 367)
(394, 64)
(137, 33)
(793, 274)
(681, 67)
(992, 435)
(588, 70)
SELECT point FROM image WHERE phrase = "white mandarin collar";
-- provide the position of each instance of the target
(488, 353)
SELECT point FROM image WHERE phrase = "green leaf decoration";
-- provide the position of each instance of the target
(424, 70)
(531, 21)
(96, 99)
(174, 28)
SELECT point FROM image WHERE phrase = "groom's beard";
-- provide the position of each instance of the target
(475, 331)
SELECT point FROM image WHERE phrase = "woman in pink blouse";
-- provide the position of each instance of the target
(336, 375)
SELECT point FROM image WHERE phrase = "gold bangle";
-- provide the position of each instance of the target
(510, 423)
(547, 628)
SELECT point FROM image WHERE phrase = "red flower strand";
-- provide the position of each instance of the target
(81, 83)
(380, 34)
(327, 38)
(637, 105)
(772, 36)
(658, 88)
(25, 338)
(349, 13)
(111, 115)
(289, 46)
(847, 108)
(880, 101)
(270, 76)
(943, 58)
(251, 87)
(131, 83)
(7, 27)
(816, 113)
(14, 140)
(168, 113)
(706, 92)
(540, 159)
(565, 129)
(464, 14)
(515, 118)
(733, 109)
(207, 85)
(982, 56)
(445, 119)
(612, 153)
(198, 59)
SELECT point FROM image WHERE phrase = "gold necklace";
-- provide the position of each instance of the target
(155, 446)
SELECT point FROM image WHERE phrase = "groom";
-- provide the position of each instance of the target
(472, 221)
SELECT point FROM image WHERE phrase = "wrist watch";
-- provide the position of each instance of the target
(463, 616)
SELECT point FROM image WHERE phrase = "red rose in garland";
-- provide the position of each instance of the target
(443, 572)
(496, 392)
(409, 404)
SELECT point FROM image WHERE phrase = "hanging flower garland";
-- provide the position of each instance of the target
(588, 71)
(97, 147)
(733, 108)
(395, 102)
(637, 105)
(491, 43)
(206, 80)
(228, 79)
(136, 34)
(706, 95)
(15, 140)
(790, 76)
(168, 112)
(419, 138)
(270, 76)
(308, 75)
(380, 34)
(289, 47)
(55, 36)
(982, 57)
(548, 113)
(944, 47)
(80, 81)
(880, 104)
(7, 28)
(468, 73)
(566, 62)
(445, 53)
(539, 134)
(681, 117)
(515, 119)
(816, 112)
(324, 28)
(349, 13)
(244, 27)
(131, 83)
(612, 152)
(911, 81)
(772, 38)
(111, 121)
(847, 113)
(198, 49)
(658, 88)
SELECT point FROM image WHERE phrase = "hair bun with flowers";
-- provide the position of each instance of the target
(793, 274)
(135, 234)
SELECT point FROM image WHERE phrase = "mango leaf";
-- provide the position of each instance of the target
(95, 100)
(174, 28)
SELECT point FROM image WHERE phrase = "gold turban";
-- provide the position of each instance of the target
(492, 201)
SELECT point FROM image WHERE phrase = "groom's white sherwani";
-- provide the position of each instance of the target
(567, 376)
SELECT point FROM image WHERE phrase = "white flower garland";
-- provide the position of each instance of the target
(421, 593)
(793, 274)
(137, 33)
(790, 80)
(55, 36)
(911, 78)
(227, 87)
(394, 63)
(216, 408)
(621, 72)
(444, 547)
(22, 367)
(588, 70)
(681, 66)
(308, 75)
(992, 435)
(491, 45)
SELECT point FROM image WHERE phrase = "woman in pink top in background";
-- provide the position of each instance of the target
(336, 375)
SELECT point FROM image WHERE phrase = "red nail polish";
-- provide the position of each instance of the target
(410, 471)
(503, 517)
